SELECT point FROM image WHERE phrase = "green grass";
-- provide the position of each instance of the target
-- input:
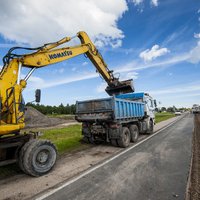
(65, 139)
(163, 116)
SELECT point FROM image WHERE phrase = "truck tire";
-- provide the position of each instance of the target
(85, 140)
(125, 138)
(134, 131)
(151, 127)
(39, 157)
(114, 142)
(22, 151)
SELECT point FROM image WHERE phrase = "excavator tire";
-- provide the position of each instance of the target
(21, 155)
(125, 138)
(39, 157)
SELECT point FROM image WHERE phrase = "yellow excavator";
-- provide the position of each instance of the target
(37, 157)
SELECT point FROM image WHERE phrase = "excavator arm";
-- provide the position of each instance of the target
(49, 55)
(11, 86)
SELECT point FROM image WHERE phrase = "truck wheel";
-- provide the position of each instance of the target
(124, 140)
(151, 127)
(39, 157)
(93, 140)
(134, 131)
(21, 155)
(114, 142)
(85, 140)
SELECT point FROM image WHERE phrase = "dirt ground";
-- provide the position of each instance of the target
(193, 190)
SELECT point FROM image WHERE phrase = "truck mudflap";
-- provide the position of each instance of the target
(115, 132)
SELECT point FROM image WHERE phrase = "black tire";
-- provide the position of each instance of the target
(125, 138)
(40, 157)
(93, 140)
(22, 151)
(114, 142)
(151, 127)
(85, 139)
(134, 131)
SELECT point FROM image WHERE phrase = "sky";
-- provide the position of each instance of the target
(154, 42)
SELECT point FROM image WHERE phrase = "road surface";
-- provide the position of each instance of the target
(156, 169)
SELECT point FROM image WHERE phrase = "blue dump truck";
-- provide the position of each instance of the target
(118, 119)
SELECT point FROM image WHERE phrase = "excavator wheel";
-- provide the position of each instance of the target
(39, 157)
(21, 155)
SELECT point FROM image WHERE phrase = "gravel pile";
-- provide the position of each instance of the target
(34, 118)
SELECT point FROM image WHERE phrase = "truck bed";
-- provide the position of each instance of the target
(108, 109)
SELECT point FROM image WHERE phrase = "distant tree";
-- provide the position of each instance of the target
(61, 109)
(163, 109)
(170, 109)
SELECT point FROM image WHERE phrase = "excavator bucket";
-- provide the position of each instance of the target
(121, 88)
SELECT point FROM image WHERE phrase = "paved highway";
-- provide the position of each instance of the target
(157, 169)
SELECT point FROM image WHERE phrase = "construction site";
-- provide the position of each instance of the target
(87, 111)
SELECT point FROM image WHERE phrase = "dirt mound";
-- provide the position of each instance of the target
(34, 118)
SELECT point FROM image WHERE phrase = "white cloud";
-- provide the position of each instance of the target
(101, 88)
(192, 87)
(197, 35)
(36, 82)
(61, 70)
(85, 63)
(136, 66)
(38, 22)
(74, 69)
(154, 2)
(153, 53)
(128, 75)
(128, 71)
(195, 54)
(137, 2)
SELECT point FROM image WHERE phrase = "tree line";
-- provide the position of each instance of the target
(171, 109)
(48, 110)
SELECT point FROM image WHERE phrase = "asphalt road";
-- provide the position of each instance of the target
(154, 170)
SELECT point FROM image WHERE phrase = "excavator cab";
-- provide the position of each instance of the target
(121, 87)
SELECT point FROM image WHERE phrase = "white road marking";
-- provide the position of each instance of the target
(101, 164)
